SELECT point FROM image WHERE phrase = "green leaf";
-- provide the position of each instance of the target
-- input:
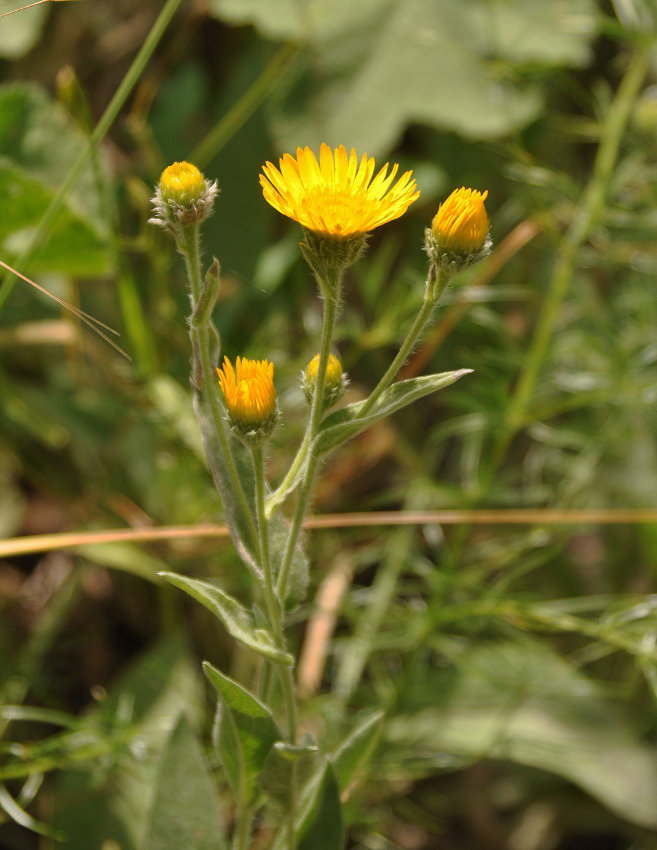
(381, 59)
(346, 422)
(320, 824)
(109, 798)
(185, 811)
(356, 748)
(523, 703)
(287, 767)
(126, 557)
(237, 619)
(38, 144)
(247, 732)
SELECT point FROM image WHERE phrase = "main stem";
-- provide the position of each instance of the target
(331, 292)
(272, 601)
(275, 619)
(189, 246)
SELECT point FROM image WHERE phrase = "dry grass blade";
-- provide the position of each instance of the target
(88, 320)
(539, 516)
(29, 6)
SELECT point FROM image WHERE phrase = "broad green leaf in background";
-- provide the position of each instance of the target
(356, 748)
(185, 812)
(20, 32)
(109, 799)
(247, 732)
(523, 703)
(384, 64)
(38, 144)
(238, 621)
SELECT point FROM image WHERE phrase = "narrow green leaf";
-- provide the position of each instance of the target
(320, 825)
(347, 422)
(237, 619)
(185, 811)
(523, 703)
(247, 732)
(356, 748)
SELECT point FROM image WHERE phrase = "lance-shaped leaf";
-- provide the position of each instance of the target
(185, 810)
(356, 749)
(237, 619)
(247, 732)
(347, 422)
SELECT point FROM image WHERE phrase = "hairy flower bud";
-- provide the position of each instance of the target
(459, 234)
(183, 196)
(335, 383)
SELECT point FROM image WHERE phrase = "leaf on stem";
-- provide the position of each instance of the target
(247, 732)
(238, 620)
(286, 770)
(320, 824)
(347, 422)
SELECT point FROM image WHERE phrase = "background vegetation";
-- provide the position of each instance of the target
(515, 655)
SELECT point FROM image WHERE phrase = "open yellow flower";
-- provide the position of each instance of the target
(336, 197)
(461, 224)
(250, 395)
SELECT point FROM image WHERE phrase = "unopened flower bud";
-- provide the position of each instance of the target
(183, 196)
(459, 234)
(250, 397)
(335, 383)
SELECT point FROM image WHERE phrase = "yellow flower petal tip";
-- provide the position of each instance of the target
(336, 197)
(250, 396)
(461, 224)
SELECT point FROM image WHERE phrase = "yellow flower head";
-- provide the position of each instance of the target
(333, 369)
(335, 383)
(461, 224)
(336, 197)
(183, 196)
(250, 395)
(182, 183)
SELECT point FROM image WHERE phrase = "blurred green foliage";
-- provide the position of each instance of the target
(516, 666)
